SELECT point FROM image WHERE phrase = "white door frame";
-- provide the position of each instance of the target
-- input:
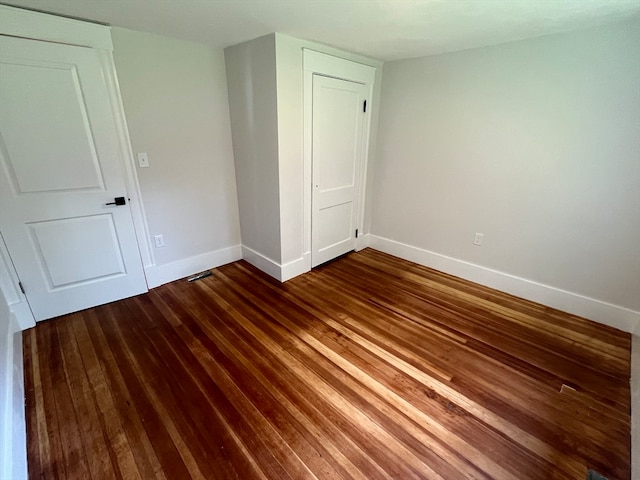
(330, 66)
(50, 28)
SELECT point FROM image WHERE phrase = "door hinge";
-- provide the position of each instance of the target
(21, 288)
(364, 108)
(356, 233)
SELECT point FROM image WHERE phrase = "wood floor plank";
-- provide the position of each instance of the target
(554, 325)
(38, 448)
(349, 352)
(48, 367)
(227, 445)
(120, 427)
(523, 345)
(174, 357)
(305, 379)
(236, 317)
(435, 385)
(123, 425)
(91, 436)
(368, 367)
(189, 411)
(495, 373)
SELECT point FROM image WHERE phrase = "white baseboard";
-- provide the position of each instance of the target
(160, 274)
(635, 405)
(271, 267)
(13, 454)
(295, 268)
(303, 264)
(606, 313)
(23, 314)
(291, 269)
(261, 262)
(363, 241)
(287, 271)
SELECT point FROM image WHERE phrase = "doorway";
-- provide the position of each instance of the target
(65, 214)
(337, 119)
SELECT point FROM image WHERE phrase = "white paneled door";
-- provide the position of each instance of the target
(337, 160)
(61, 170)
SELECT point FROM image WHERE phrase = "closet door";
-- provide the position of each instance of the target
(338, 157)
(72, 243)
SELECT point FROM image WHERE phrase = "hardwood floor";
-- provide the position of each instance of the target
(368, 367)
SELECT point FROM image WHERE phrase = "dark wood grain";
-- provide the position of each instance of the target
(367, 367)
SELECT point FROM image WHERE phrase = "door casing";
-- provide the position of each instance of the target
(330, 66)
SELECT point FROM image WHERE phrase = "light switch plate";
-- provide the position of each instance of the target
(158, 240)
(143, 160)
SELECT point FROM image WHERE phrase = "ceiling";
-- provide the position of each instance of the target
(383, 29)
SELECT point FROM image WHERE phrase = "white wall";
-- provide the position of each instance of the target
(251, 78)
(536, 144)
(175, 100)
(13, 446)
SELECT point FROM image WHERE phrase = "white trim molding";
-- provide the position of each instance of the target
(261, 262)
(23, 314)
(130, 173)
(160, 274)
(363, 241)
(337, 67)
(296, 267)
(274, 269)
(9, 286)
(315, 62)
(292, 269)
(606, 313)
(18, 22)
(13, 454)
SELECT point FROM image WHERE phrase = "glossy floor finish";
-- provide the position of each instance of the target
(368, 367)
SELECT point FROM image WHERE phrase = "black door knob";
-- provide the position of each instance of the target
(117, 201)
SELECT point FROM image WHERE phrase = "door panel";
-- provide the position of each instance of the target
(337, 150)
(334, 224)
(99, 257)
(57, 117)
(60, 164)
